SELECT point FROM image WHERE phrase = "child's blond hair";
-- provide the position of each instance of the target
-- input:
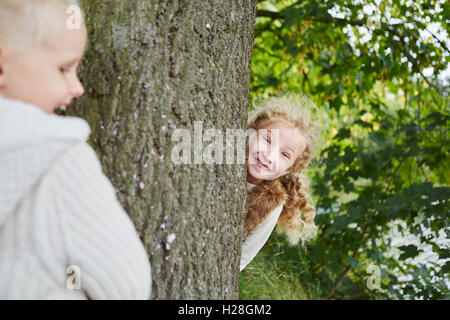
(297, 218)
(24, 23)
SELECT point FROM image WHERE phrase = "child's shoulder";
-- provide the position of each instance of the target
(272, 188)
(22, 124)
(269, 195)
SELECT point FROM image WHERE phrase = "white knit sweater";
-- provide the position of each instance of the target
(259, 236)
(58, 211)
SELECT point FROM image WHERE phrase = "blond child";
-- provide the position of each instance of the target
(281, 144)
(63, 234)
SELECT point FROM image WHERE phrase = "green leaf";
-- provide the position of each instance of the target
(446, 268)
(409, 251)
(354, 263)
(444, 253)
(342, 134)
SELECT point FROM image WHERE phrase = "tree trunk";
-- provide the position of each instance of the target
(152, 67)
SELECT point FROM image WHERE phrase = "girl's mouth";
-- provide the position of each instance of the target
(260, 164)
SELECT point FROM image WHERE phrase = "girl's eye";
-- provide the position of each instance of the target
(267, 139)
(286, 155)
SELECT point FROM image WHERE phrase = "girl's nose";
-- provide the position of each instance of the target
(268, 156)
(271, 155)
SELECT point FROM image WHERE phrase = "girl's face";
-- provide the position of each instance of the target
(45, 76)
(273, 150)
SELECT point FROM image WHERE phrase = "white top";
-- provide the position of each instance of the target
(259, 236)
(61, 225)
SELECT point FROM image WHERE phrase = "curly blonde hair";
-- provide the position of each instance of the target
(296, 220)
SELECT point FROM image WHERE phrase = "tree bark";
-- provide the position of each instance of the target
(152, 67)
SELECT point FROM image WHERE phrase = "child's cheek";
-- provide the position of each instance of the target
(262, 145)
(253, 146)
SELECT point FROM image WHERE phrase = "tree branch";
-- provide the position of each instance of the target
(355, 254)
(392, 30)
(391, 178)
(269, 14)
(277, 15)
(347, 269)
(339, 21)
(438, 40)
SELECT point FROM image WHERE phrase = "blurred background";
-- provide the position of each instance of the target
(379, 71)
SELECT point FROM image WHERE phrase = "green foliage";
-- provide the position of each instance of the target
(387, 154)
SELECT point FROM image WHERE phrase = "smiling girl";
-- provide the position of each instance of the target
(282, 143)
